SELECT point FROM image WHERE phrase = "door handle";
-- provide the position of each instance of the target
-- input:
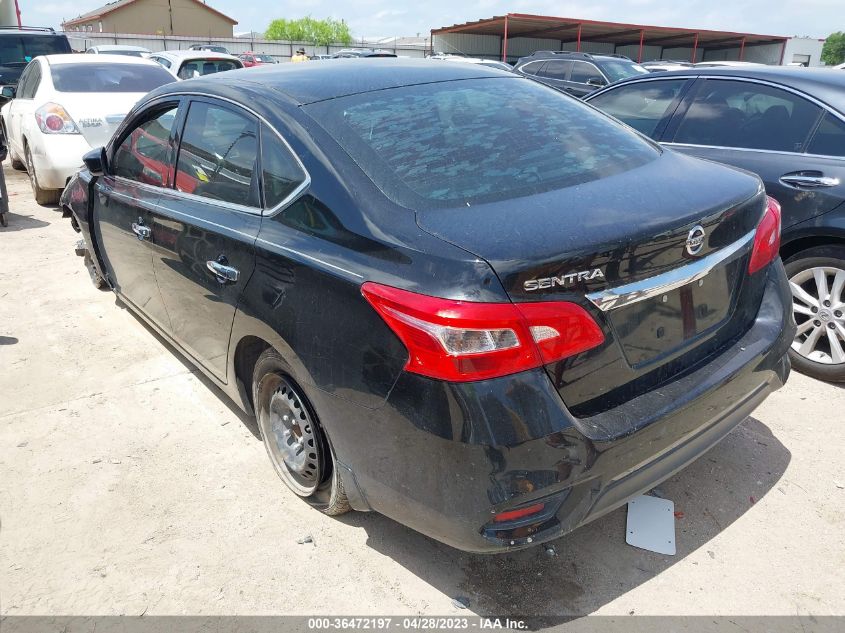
(808, 180)
(141, 231)
(222, 271)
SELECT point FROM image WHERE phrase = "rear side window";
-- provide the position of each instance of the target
(533, 68)
(217, 155)
(142, 154)
(108, 77)
(281, 172)
(465, 142)
(555, 69)
(641, 105)
(747, 115)
(582, 72)
(829, 139)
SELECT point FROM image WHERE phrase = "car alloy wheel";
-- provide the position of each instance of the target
(819, 306)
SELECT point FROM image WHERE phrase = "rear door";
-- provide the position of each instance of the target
(124, 198)
(205, 228)
(779, 134)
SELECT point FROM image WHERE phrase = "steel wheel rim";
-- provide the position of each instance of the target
(818, 303)
(290, 435)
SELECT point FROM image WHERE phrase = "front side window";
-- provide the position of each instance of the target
(217, 155)
(747, 115)
(281, 172)
(641, 105)
(108, 77)
(142, 156)
(829, 139)
(582, 72)
(477, 140)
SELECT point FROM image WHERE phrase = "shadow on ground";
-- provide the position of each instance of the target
(593, 565)
(17, 222)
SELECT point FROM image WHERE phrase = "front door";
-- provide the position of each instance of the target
(123, 201)
(205, 228)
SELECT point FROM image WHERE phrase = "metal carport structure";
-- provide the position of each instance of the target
(637, 41)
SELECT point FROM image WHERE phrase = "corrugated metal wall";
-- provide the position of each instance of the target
(282, 51)
(468, 44)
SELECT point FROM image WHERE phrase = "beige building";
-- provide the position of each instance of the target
(155, 17)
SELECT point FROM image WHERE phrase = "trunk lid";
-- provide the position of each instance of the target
(98, 116)
(629, 232)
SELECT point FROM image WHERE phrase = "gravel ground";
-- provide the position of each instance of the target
(128, 485)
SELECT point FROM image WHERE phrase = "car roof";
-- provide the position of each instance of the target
(120, 47)
(822, 83)
(307, 83)
(188, 54)
(74, 58)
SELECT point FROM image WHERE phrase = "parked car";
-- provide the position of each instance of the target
(450, 294)
(119, 49)
(362, 52)
(726, 64)
(490, 63)
(659, 66)
(196, 63)
(788, 126)
(66, 104)
(211, 48)
(19, 46)
(251, 59)
(579, 74)
(320, 57)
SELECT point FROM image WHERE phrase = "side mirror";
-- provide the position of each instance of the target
(8, 92)
(596, 82)
(95, 161)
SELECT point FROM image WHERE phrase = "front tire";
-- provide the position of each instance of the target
(817, 280)
(42, 196)
(295, 440)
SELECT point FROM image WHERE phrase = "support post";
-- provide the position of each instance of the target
(694, 48)
(742, 49)
(578, 41)
(640, 54)
(505, 42)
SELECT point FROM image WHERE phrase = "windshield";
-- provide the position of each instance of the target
(619, 69)
(479, 140)
(108, 77)
(21, 49)
(200, 67)
(266, 59)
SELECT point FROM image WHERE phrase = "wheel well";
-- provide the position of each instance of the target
(246, 354)
(804, 243)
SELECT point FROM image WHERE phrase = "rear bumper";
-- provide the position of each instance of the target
(57, 157)
(444, 458)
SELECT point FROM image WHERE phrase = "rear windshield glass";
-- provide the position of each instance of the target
(16, 49)
(479, 140)
(200, 67)
(108, 77)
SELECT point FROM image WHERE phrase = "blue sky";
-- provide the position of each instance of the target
(816, 18)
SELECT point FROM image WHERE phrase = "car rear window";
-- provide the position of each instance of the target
(108, 77)
(480, 140)
(200, 67)
(20, 49)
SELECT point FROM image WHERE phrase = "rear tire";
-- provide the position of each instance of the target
(3, 220)
(819, 347)
(42, 196)
(296, 442)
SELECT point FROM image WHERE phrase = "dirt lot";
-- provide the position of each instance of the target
(128, 486)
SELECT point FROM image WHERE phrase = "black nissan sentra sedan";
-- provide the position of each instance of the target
(451, 295)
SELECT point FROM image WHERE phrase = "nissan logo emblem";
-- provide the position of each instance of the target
(695, 240)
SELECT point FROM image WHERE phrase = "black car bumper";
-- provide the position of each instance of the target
(444, 458)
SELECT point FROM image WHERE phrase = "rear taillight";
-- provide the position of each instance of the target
(767, 237)
(462, 340)
(54, 119)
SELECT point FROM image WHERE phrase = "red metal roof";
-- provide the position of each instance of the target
(566, 29)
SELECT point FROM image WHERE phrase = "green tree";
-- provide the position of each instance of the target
(307, 29)
(833, 51)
